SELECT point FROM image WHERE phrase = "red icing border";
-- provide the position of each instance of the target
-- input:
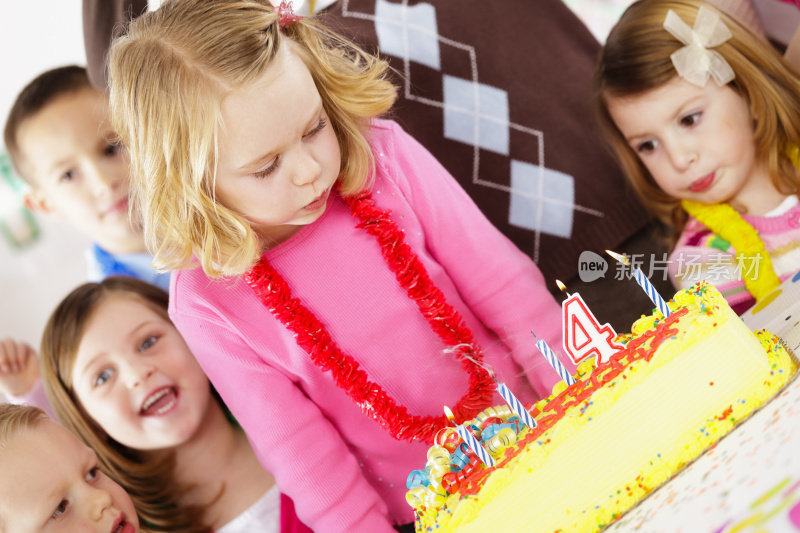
(471, 478)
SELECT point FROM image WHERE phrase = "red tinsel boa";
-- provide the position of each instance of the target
(314, 338)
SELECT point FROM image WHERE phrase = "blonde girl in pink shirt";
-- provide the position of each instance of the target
(333, 280)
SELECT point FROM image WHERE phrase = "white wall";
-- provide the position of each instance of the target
(36, 36)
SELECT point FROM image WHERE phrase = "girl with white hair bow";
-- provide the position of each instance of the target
(703, 116)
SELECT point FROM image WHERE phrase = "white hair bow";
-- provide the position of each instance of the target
(695, 62)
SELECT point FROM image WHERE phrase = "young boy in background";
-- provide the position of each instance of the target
(60, 142)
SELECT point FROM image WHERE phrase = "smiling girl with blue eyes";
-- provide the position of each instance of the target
(704, 117)
(121, 377)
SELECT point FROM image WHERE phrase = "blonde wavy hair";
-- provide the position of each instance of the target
(169, 74)
(636, 59)
(147, 476)
(17, 418)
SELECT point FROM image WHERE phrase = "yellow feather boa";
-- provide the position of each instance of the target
(757, 270)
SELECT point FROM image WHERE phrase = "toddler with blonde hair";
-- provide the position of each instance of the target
(51, 482)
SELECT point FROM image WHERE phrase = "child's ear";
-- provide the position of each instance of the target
(36, 200)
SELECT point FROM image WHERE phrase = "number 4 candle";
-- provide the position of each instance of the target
(583, 336)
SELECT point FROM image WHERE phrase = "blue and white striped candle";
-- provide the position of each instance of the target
(644, 283)
(516, 405)
(470, 439)
(551, 357)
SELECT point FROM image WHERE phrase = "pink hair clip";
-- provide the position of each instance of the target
(287, 14)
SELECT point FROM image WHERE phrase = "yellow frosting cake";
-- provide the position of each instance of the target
(620, 431)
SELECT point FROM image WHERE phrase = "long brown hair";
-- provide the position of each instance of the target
(169, 74)
(636, 59)
(147, 476)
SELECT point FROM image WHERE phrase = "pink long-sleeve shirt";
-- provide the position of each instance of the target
(342, 470)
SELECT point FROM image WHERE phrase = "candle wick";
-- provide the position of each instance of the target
(619, 257)
(644, 282)
(449, 415)
(563, 287)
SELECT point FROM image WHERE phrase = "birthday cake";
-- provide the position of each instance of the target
(622, 429)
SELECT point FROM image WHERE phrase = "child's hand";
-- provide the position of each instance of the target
(19, 367)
